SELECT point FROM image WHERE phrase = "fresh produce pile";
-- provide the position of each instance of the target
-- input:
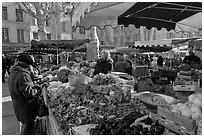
(153, 99)
(191, 108)
(135, 123)
(103, 79)
(63, 73)
(79, 104)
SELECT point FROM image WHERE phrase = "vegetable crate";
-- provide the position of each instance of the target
(141, 71)
(125, 108)
(177, 123)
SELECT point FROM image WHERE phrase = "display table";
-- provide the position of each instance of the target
(51, 123)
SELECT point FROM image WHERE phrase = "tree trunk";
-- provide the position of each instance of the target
(93, 47)
(41, 31)
(152, 34)
(71, 29)
(108, 36)
(142, 36)
(58, 22)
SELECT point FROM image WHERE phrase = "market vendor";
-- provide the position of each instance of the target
(191, 59)
(104, 64)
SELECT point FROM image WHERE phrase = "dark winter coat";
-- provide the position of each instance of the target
(22, 93)
(103, 66)
(120, 66)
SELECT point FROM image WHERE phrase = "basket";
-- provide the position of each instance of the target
(177, 123)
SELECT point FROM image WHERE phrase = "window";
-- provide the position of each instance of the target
(20, 35)
(4, 11)
(19, 15)
(82, 30)
(48, 36)
(33, 22)
(47, 23)
(35, 35)
(64, 27)
(5, 35)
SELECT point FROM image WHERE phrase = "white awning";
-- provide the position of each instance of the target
(99, 14)
(192, 24)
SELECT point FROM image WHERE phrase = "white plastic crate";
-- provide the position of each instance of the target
(184, 87)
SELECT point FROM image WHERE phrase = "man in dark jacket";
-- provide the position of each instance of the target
(23, 93)
(191, 58)
(128, 64)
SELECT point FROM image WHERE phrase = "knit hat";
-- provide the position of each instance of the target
(28, 59)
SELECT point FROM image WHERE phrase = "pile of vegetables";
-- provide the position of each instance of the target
(191, 108)
(79, 105)
(135, 123)
(104, 79)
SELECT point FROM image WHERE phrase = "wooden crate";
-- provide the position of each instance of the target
(177, 123)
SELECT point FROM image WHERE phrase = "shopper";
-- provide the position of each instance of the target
(104, 64)
(120, 65)
(4, 67)
(23, 93)
(191, 58)
(128, 65)
(160, 61)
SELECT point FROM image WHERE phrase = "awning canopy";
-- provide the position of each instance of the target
(159, 14)
(123, 50)
(99, 14)
(159, 45)
(195, 43)
(179, 16)
(193, 24)
(58, 44)
(83, 48)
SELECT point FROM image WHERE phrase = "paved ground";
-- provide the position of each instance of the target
(10, 126)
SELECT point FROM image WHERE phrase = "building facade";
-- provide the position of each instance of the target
(19, 28)
(15, 27)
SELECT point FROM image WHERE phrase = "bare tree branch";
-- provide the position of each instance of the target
(28, 10)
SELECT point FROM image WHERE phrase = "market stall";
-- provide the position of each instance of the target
(56, 46)
(82, 105)
(105, 105)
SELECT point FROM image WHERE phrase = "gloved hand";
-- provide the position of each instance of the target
(38, 90)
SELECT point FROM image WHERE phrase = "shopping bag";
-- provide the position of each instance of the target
(42, 109)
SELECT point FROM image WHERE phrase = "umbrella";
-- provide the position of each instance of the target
(99, 14)
(159, 14)
(123, 50)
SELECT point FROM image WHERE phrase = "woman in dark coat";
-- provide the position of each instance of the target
(104, 64)
(23, 93)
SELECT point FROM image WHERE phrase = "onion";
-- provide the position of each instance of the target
(191, 97)
(186, 112)
(196, 116)
(195, 109)
(197, 102)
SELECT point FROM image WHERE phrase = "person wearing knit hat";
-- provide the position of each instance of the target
(28, 59)
(24, 93)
